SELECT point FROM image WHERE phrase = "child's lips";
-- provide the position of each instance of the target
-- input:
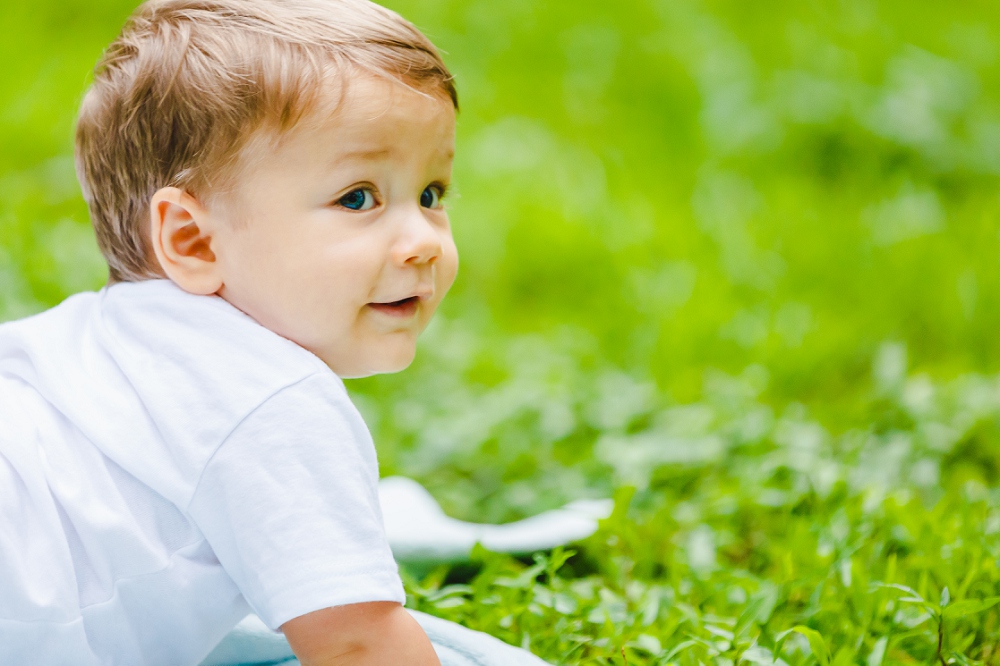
(403, 309)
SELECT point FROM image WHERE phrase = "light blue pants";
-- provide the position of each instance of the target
(251, 643)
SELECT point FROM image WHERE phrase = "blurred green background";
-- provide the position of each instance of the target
(649, 194)
(735, 263)
(646, 191)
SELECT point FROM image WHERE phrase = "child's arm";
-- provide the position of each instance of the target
(365, 634)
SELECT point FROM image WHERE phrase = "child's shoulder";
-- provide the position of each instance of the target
(183, 349)
(149, 350)
(165, 326)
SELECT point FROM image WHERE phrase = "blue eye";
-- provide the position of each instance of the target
(360, 199)
(431, 197)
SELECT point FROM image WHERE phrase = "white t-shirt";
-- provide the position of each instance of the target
(166, 466)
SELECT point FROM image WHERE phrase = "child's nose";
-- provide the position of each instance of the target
(420, 241)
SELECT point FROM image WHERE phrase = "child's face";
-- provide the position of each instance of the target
(341, 244)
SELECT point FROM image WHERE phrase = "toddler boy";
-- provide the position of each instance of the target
(265, 178)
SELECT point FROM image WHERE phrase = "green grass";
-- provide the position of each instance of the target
(736, 524)
(734, 264)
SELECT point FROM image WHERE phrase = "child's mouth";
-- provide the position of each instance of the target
(406, 307)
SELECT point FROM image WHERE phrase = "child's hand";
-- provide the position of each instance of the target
(375, 633)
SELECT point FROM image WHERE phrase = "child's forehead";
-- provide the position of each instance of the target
(372, 117)
(369, 120)
(364, 101)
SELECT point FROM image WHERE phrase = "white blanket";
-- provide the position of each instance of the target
(251, 643)
(419, 530)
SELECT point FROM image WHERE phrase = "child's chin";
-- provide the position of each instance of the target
(388, 362)
(389, 368)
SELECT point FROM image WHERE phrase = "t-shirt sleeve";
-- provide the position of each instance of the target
(289, 503)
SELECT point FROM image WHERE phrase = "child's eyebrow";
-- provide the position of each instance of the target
(362, 154)
(374, 154)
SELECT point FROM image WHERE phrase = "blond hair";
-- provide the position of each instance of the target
(188, 82)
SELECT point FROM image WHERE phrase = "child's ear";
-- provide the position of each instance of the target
(181, 235)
